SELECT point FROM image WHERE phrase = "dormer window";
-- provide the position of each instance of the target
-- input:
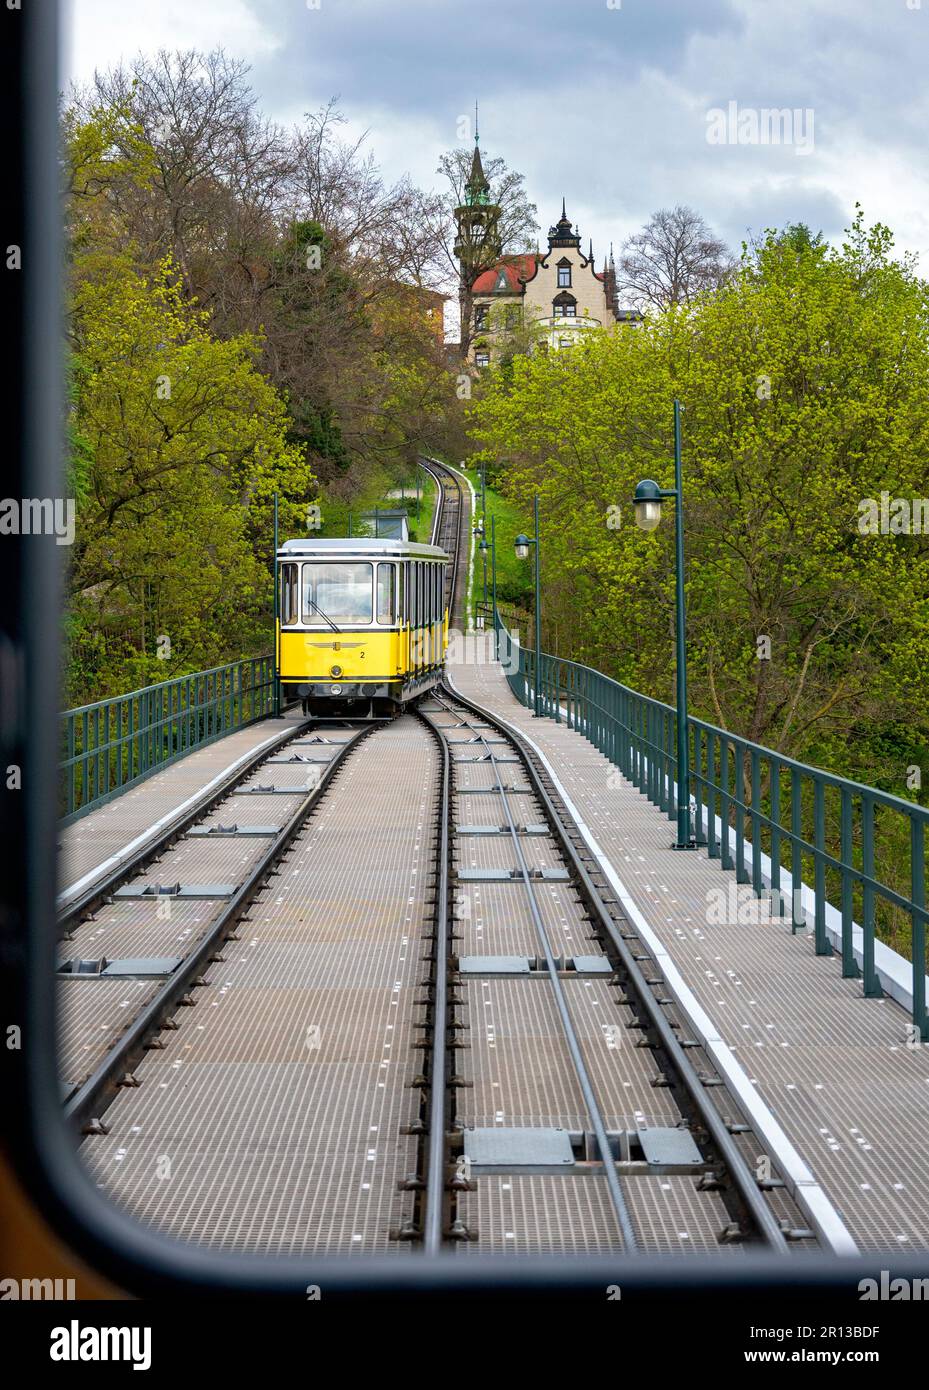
(564, 274)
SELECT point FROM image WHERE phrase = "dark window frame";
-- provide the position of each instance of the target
(290, 590)
(39, 1147)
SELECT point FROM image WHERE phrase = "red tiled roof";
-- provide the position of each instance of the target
(516, 270)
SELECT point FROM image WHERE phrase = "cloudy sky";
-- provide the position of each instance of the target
(609, 102)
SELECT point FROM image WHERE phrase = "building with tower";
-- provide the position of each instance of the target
(558, 295)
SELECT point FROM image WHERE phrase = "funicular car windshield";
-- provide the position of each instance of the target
(340, 590)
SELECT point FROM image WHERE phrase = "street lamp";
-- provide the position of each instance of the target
(522, 544)
(647, 502)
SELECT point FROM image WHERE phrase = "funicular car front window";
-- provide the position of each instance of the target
(342, 591)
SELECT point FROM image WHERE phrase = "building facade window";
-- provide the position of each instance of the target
(512, 316)
(564, 275)
(564, 306)
(480, 317)
(482, 359)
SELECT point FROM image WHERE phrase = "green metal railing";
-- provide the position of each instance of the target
(748, 797)
(110, 745)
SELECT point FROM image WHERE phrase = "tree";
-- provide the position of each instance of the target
(183, 444)
(672, 260)
(291, 237)
(806, 389)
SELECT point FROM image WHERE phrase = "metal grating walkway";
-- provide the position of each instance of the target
(832, 1066)
(271, 1121)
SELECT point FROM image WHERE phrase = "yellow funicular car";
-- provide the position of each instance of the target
(362, 624)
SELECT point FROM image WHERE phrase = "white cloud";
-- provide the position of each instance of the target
(98, 34)
(607, 108)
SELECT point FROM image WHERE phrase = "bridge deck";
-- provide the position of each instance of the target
(832, 1066)
(273, 1119)
(89, 842)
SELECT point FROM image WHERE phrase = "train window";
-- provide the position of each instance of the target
(386, 609)
(341, 592)
(401, 591)
(290, 602)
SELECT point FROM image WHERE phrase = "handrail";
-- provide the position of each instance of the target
(112, 744)
(745, 794)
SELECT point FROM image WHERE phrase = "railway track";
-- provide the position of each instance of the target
(508, 832)
(437, 1033)
(536, 940)
(450, 530)
(126, 969)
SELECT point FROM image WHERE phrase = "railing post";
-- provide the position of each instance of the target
(774, 771)
(712, 840)
(872, 985)
(84, 778)
(71, 767)
(757, 884)
(740, 874)
(796, 855)
(850, 969)
(918, 919)
(725, 853)
(823, 944)
(700, 788)
(120, 740)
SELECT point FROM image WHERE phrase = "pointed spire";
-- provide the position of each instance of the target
(590, 251)
(562, 234)
(477, 189)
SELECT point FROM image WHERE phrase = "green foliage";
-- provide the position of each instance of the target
(224, 345)
(806, 389)
(183, 443)
(514, 577)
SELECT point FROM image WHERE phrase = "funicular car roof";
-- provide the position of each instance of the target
(362, 548)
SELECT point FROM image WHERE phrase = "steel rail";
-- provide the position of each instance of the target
(69, 918)
(448, 523)
(97, 1092)
(433, 1222)
(630, 1242)
(766, 1225)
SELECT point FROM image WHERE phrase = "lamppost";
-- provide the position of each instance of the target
(648, 496)
(522, 544)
